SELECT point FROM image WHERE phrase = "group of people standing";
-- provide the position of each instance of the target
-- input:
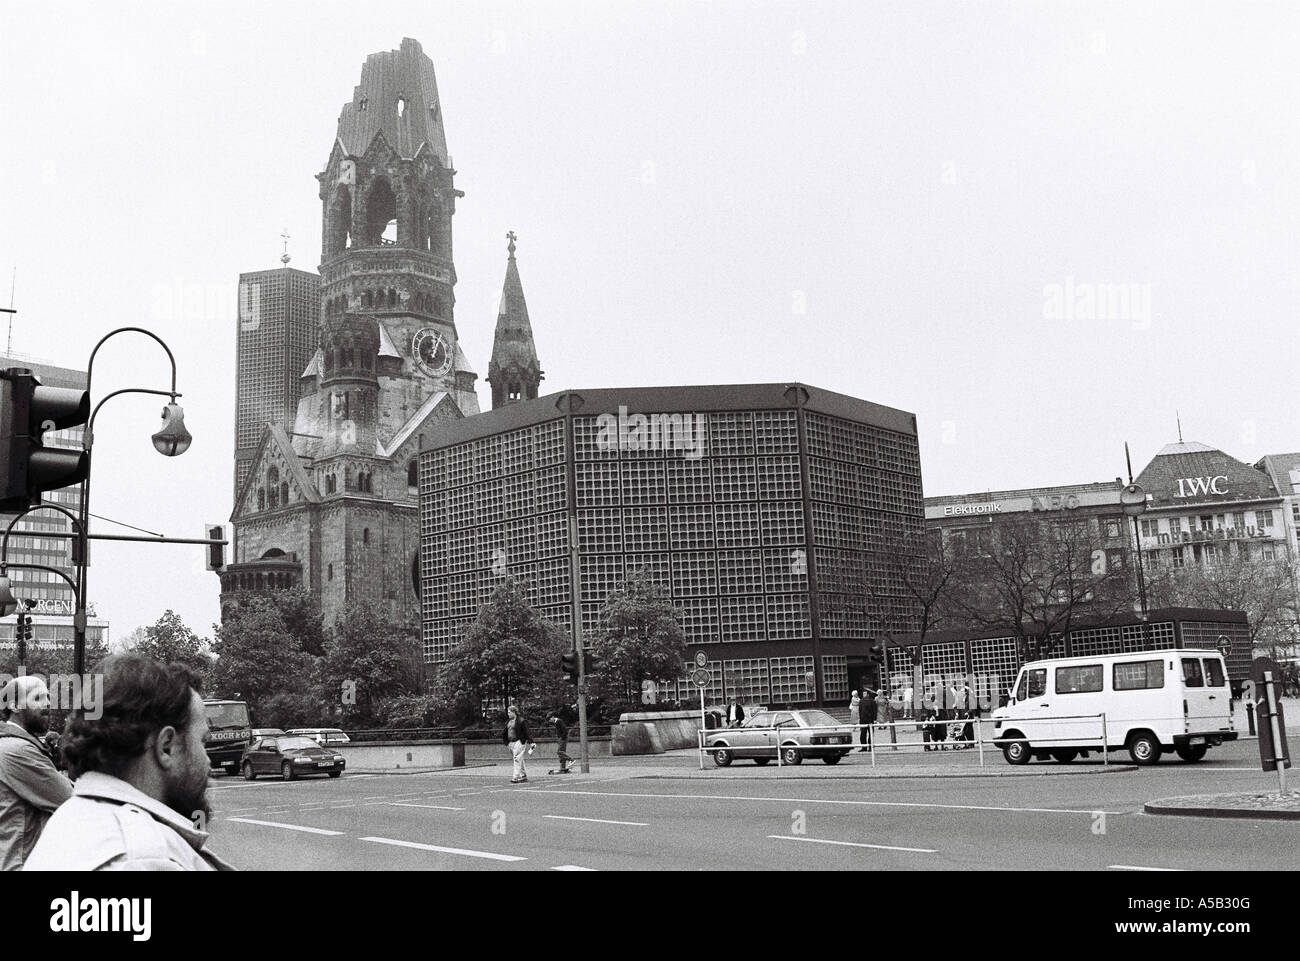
(864, 711)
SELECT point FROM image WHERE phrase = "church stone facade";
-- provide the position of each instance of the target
(330, 498)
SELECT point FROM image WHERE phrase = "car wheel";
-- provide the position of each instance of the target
(1064, 755)
(760, 761)
(1192, 753)
(722, 757)
(790, 755)
(249, 773)
(286, 771)
(335, 773)
(831, 758)
(1144, 748)
(1017, 752)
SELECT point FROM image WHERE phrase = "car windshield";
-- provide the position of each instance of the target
(296, 743)
(225, 716)
(818, 719)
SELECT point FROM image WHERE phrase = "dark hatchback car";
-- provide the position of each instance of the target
(290, 757)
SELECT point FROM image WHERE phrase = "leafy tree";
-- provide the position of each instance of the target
(299, 612)
(370, 657)
(510, 653)
(642, 638)
(168, 639)
(259, 661)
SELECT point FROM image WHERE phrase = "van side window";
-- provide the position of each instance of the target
(1213, 672)
(1085, 679)
(1192, 676)
(1033, 684)
(1138, 676)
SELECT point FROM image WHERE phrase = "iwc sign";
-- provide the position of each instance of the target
(1194, 486)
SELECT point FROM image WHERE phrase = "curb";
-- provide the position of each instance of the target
(412, 770)
(1249, 814)
(709, 776)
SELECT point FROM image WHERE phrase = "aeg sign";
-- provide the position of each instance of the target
(1192, 486)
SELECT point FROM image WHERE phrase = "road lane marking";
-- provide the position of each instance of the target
(434, 807)
(851, 844)
(1138, 867)
(884, 804)
(441, 850)
(561, 817)
(570, 867)
(287, 827)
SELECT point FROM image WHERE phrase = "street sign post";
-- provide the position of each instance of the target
(702, 678)
(1274, 752)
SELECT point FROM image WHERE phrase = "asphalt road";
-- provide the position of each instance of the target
(646, 814)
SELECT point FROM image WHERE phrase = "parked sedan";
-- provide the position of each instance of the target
(290, 757)
(797, 734)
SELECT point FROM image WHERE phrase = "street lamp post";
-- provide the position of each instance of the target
(171, 440)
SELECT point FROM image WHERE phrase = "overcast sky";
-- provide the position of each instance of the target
(1042, 227)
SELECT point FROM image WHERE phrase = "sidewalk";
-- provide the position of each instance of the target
(1270, 806)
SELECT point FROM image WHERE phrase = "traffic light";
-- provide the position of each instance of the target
(27, 411)
(569, 664)
(876, 655)
(23, 634)
(216, 552)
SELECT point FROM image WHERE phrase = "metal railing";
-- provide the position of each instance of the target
(782, 737)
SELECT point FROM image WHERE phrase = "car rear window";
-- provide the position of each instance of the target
(1192, 676)
(1139, 676)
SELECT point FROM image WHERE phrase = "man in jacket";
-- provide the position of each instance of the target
(31, 788)
(735, 713)
(140, 800)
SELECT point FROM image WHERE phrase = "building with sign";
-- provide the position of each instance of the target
(1203, 506)
(1284, 471)
(774, 515)
(967, 519)
(34, 540)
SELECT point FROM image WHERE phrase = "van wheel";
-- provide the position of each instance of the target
(1064, 756)
(1017, 752)
(1191, 753)
(721, 757)
(1144, 748)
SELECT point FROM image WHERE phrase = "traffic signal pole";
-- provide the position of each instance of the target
(584, 763)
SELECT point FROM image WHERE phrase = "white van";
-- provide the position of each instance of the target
(1153, 701)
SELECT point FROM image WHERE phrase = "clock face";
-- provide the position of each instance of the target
(431, 351)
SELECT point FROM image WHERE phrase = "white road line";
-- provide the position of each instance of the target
(1138, 867)
(851, 844)
(441, 850)
(570, 867)
(432, 807)
(287, 827)
(561, 817)
(883, 804)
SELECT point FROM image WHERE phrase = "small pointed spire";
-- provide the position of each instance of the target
(1180, 426)
(514, 371)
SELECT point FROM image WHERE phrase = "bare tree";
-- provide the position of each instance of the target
(1037, 577)
(1265, 589)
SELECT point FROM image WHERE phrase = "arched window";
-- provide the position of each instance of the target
(339, 222)
(413, 476)
(437, 306)
(366, 298)
(284, 493)
(273, 498)
(365, 536)
(381, 214)
(329, 572)
(392, 297)
(261, 498)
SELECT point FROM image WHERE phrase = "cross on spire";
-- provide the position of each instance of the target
(510, 236)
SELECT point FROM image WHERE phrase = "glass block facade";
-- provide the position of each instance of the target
(767, 523)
